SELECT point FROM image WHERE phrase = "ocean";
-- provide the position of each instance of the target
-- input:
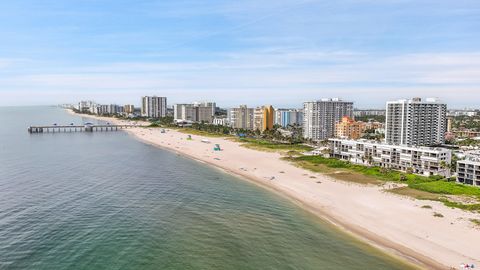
(104, 200)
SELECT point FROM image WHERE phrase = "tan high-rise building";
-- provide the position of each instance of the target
(268, 117)
(263, 118)
(129, 109)
(349, 128)
(449, 124)
(241, 117)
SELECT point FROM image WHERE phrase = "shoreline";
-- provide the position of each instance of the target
(409, 258)
(412, 244)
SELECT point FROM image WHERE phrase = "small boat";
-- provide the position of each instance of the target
(205, 141)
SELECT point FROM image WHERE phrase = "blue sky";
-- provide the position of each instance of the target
(239, 52)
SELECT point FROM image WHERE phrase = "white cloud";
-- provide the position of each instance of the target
(276, 74)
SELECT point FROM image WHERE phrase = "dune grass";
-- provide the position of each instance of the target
(270, 146)
(420, 187)
(475, 221)
(417, 194)
(191, 131)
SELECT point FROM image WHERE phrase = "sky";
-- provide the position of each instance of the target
(280, 52)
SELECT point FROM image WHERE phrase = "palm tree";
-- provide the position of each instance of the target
(370, 159)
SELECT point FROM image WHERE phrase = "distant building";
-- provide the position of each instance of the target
(465, 112)
(114, 109)
(240, 117)
(349, 128)
(210, 104)
(111, 109)
(129, 109)
(449, 124)
(368, 112)
(374, 125)
(419, 160)
(205, 113)
(416, 122)
(101, 110)
(263, 118)
(287, 117)
(466, 133)
(86, 106)
(196, 112)
(183, 112)
(154, 107)
(468, 171)
(321, 116)
(220, 121)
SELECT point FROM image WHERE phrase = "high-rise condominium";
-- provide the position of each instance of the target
(241, 117)
(129, 109)
(321, 116)
(196, 112)
(263, 118)
(153, 106)
(288, 117)
(416, 122)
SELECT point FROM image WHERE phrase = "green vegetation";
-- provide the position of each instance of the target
(420, 187)
(417, 194)
(366, 118)
(468, 142)
(166, 121)
(475, 221)
(332, 168)
(370, 134)
(469, 207)
(192, 131)
(378, 173)
(435, 214)
(154, 125)
(268, 145)
(467, 122)
(443, 187)
(206, 128)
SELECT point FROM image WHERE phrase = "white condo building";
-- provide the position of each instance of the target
(153, 106)
(468, 171)
(320, 117)
(209, 104)
(196, 112)
(420, 160)
(86, 106)
(415, 122)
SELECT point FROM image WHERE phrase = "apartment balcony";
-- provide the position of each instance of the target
(431, 159)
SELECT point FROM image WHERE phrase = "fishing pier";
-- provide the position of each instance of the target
(77, 128)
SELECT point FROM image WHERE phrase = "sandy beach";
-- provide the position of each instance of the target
(397, 224)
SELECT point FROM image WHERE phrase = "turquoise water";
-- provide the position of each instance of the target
(107, 201)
